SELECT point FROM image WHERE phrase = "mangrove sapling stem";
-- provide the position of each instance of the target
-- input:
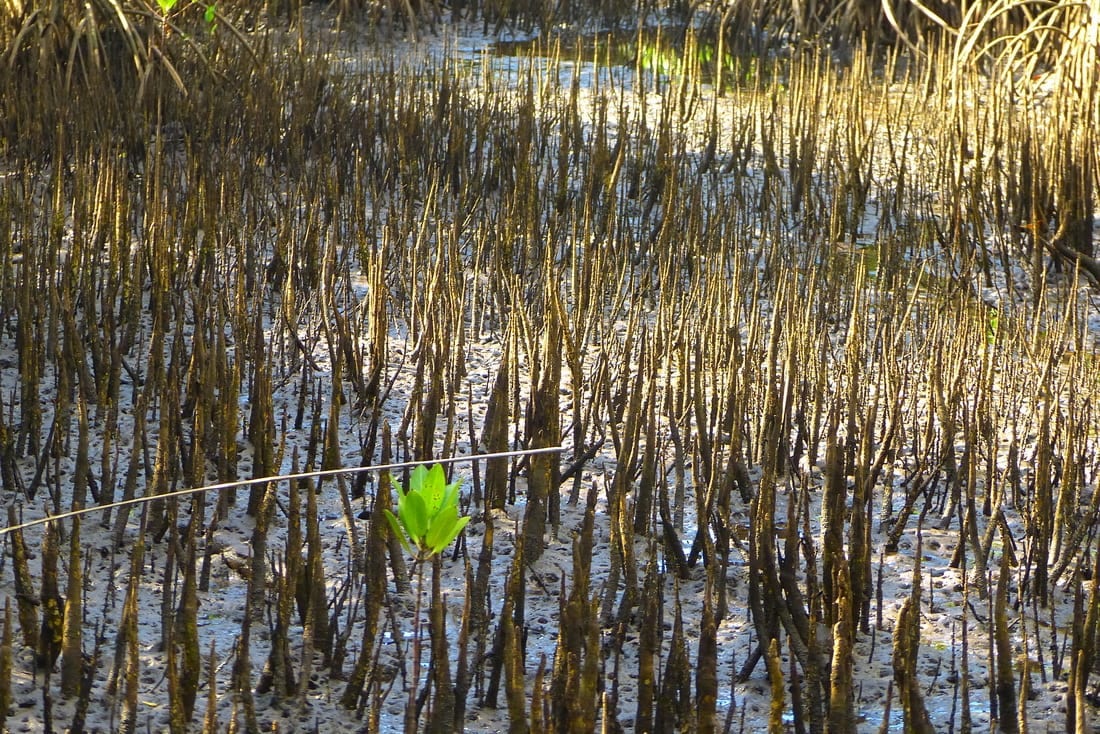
(442, 706)
(411, 709)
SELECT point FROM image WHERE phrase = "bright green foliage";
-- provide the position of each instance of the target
(209, 13)
(427, 518)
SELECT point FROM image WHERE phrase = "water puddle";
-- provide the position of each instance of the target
(661, 54)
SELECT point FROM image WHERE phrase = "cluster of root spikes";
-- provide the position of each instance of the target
(759, 324)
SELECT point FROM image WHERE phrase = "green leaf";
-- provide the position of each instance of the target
(414, 516)
(433, 489)
(441, 527)
(455, 530)
(450, 496)
(210, 14)
(401, 507)
(166, 5)
(397, 530)
(416, 479)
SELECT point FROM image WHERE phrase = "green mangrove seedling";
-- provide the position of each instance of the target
(427, 519)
